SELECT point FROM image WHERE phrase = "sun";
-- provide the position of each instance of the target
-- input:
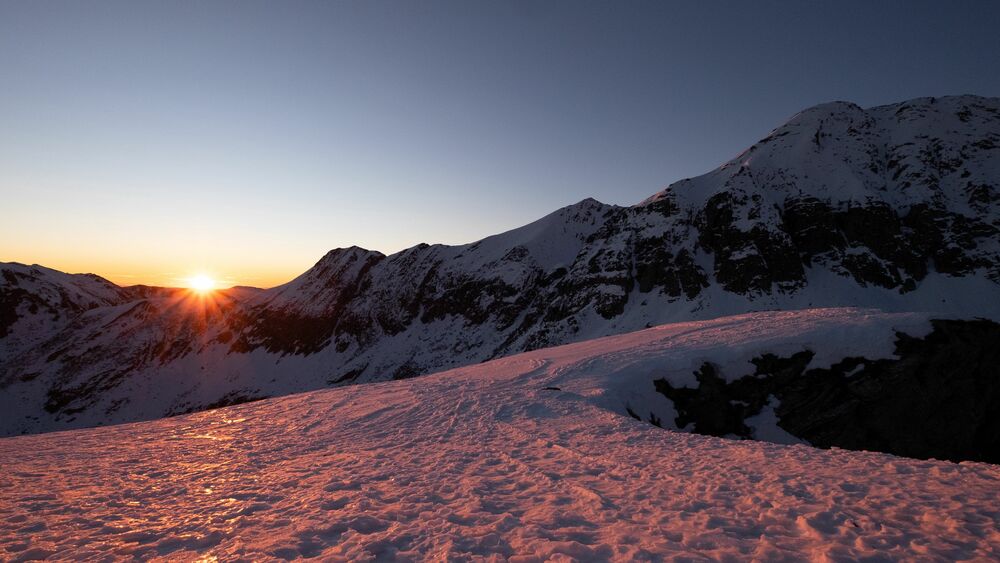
(201, 283)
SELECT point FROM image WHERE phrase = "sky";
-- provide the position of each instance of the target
(149, 141)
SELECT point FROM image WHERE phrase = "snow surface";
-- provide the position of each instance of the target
(485, 462)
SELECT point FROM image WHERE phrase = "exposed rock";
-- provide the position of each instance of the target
(940, 398)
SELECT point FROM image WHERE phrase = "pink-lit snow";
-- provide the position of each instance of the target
(484, 462)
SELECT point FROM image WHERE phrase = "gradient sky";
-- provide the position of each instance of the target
(146, 141)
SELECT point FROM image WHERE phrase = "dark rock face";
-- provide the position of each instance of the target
(228, 400)
(11, 299)
(940, 399)
(754, 261)
(879, 246)
(339, 277)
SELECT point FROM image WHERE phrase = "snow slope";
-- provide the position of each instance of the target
(485, 462)
(47, 300)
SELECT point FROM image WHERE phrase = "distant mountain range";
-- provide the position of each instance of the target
(893, 207)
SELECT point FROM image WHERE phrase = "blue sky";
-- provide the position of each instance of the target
(148, 140)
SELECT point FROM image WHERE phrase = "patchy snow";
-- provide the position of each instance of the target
(484, 461)
(547, 243)
(53, 294)
(765, 425)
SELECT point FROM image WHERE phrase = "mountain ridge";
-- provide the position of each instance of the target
(894, 207)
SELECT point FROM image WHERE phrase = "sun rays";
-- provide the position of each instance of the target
(201, 283)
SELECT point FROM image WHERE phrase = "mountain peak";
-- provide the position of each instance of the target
(349, 252)
(829, 108)
(904, 154)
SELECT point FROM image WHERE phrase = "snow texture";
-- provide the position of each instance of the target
(487, 462)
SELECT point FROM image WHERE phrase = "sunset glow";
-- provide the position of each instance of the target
(201, 283)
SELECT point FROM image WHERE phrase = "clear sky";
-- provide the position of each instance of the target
(147, 141)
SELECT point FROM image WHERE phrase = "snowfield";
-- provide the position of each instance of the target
(487, 462)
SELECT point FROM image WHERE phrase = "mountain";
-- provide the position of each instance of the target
(893, 207)
(530, 457)
(36, 302)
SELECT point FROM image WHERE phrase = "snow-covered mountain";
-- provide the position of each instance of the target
(530, 457)
(893, 207)
(36, 302)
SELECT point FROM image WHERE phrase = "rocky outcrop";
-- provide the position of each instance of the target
(939, 398)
